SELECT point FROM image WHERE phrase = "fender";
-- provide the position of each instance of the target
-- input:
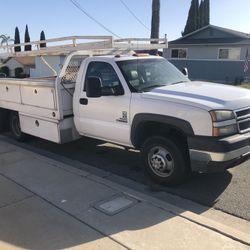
(139, 119)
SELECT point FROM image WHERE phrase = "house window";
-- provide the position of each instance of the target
(179, 53)
(229, 54)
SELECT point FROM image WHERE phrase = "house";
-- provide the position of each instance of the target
(26, 63)
(42, 69)
(35, 66)
(211, 53)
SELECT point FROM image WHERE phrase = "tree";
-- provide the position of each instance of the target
(17, 40)
(5, 39)
(193, 18)
(27, 39)
(155, 21)
(206, 12)
(202, 14)
(42, 38)
(198, 16)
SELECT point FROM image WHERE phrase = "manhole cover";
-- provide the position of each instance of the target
(115, 204)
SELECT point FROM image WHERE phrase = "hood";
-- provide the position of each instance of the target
(203, 95)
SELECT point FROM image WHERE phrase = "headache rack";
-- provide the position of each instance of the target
(93, 45)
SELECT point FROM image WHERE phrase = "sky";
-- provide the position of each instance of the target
(61, 18)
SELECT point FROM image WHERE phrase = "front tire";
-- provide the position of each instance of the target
(165, 160)
(15, 127)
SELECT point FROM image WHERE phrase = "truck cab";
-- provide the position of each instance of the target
(144, 102)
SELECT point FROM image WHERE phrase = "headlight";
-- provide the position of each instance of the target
(222, 115)
(226, 130)
(224, 122)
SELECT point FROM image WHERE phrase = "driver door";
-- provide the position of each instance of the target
(105, 117)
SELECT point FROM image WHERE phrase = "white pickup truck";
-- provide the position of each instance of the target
(137, 101)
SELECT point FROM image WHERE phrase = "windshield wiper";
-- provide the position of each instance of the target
(152, 87)
(158, 85)
(177, 82)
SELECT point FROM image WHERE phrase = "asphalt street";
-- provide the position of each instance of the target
(228, 191)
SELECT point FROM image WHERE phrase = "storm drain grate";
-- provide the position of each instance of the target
(115, 204)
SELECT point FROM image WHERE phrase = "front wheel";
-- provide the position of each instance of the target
(165, 160)
(15, 127)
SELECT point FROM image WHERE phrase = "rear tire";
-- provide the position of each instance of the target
(15, 127)
(4, 120)
(165, 160)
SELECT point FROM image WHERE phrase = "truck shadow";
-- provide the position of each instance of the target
(41, 226)
(205, 189)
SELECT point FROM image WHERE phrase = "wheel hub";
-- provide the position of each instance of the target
(161, 161)
(158, 162)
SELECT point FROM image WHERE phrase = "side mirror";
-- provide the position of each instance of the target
(93, 87)
(185, 72)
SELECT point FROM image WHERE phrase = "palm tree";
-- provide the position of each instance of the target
(5, 39)
(155, 22)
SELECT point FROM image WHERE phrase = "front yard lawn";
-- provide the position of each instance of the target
(245, 85)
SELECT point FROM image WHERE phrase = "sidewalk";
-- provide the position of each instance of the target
(45, 204)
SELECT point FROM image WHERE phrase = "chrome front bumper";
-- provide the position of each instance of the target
(198, 155)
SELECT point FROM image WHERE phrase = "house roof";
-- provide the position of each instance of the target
(26, 61)
(212, 34)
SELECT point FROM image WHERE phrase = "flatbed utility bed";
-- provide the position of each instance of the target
(42, 82)
(25, 93)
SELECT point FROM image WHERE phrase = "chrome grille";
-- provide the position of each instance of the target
(243, 120)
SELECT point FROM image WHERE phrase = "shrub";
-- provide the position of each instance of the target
(5, 70)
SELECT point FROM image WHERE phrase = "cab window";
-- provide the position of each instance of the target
(106, 73)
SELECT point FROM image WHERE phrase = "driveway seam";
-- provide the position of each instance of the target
(69, 214)
(16, 202)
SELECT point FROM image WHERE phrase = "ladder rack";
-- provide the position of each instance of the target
(94, 45)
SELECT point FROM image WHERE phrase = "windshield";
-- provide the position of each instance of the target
(145, 74)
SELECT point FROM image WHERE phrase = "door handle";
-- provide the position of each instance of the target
(83, 101)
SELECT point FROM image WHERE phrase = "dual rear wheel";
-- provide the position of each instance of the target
(15, 126)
